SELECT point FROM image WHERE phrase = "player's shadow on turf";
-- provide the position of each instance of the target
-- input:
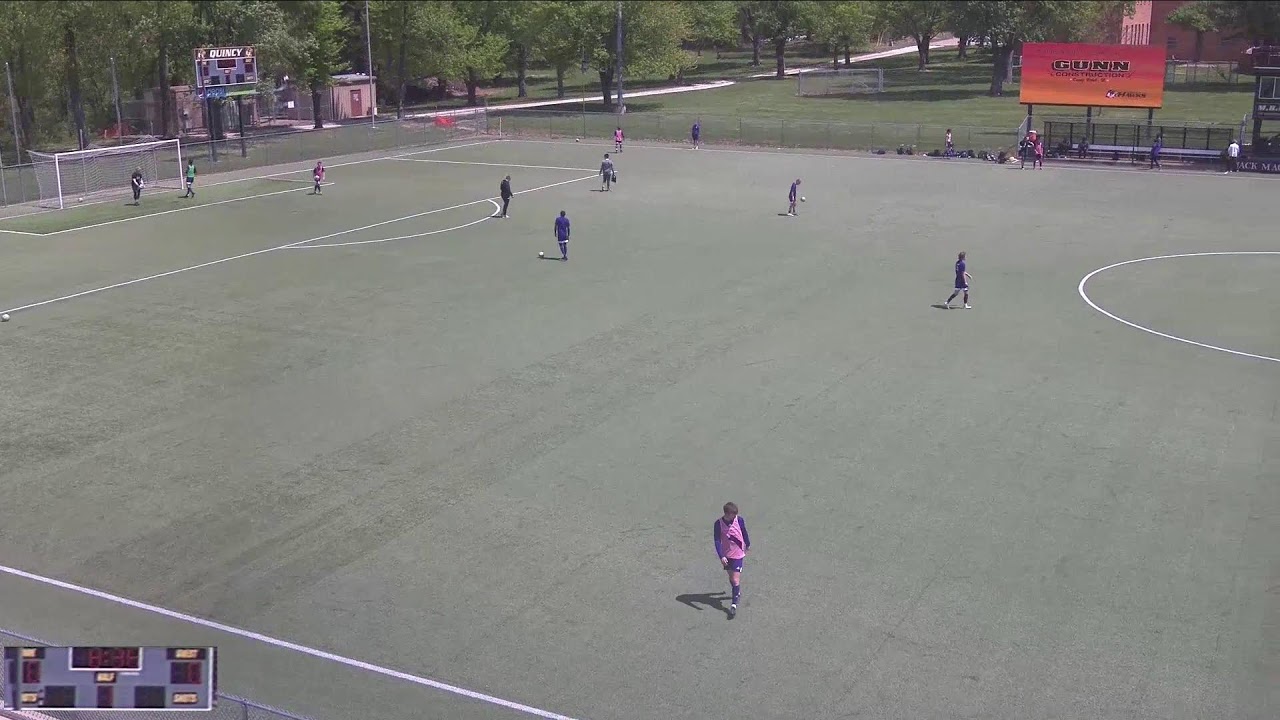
(939, 306)
(714, 600)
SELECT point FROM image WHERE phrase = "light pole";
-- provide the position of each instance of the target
(368, 46)
(622, 108)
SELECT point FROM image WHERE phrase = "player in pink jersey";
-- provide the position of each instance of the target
(732, 544)
(617, 140)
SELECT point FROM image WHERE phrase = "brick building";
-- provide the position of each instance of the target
(1149, 25)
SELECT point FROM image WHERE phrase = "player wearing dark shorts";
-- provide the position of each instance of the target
(505, 191)
(136, 184)
(732, 546)
(962, 284)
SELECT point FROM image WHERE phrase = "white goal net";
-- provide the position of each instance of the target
(84, 175)
(848, 81)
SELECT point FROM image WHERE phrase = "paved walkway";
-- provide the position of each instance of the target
(894, 52)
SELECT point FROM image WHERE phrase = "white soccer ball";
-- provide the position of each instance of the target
(577, 140)
(4, 318)
(79, 199)
(542, 254)
(802, 200)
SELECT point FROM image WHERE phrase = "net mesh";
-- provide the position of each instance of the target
(851, 81)
(86, 175)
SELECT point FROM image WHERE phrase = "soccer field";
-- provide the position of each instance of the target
(395, 466)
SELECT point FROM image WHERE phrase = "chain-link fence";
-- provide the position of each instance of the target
(227, 707)
(259, 150)
(759, 132)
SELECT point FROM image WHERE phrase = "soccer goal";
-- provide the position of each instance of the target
(83, 175)
(847, 81)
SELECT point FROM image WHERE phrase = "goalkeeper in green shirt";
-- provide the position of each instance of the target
(191, 179)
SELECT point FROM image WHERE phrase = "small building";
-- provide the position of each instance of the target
(1149, 25)
(349, 97)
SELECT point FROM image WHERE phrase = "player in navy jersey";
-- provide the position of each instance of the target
(792, 196)
(562, 236)
(962, 284)
(732, 546)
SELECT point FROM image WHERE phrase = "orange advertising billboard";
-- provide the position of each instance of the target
(1127, 76)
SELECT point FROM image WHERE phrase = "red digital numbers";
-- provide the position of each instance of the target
(30, 672)
(106, 658)
(186, 673)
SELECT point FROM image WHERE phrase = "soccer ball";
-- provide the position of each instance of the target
(4, 318)
(802, 200)
(79, 199)
(577, 140)
(542, 254)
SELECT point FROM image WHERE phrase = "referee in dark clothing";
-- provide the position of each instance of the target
(506, 194)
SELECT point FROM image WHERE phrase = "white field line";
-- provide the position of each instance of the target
(284, 644)
(157, 276)
(1095, 306)
(239, 199)
(938, 162)
(20, 232)
(496, 207)
(465, 162)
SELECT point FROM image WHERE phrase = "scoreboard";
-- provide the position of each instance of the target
(225, 72)
(115, 678)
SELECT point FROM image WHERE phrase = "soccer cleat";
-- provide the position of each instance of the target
(967, 306)
(946, 306)
(733, 610)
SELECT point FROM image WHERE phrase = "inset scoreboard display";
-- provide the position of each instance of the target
(108, 678)
(226, 71)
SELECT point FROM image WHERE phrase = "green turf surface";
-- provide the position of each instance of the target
(444, 456)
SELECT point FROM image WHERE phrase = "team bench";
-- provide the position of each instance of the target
(1190, 154)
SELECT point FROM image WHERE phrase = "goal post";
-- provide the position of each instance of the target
(82, 175)
(845, 81)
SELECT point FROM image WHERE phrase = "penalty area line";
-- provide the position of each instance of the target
(284, 644)
(288, 246)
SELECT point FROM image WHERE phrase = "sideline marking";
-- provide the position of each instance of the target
(865, 155)
(284, 644)
(21, 232)
(238, 199)
(288, 246)
(1092, 304)
(465, 162)
(496, 207)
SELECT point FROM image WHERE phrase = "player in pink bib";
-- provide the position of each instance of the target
(617, 140)
(732, 545)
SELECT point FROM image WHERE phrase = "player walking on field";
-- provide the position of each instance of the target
(792, 197)
(606, 173)
(562, 236)
(617, 140)
(317, 176)
(732, 545)
(191, 179)
(962, 284)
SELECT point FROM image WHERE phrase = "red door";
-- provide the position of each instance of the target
(357, 104)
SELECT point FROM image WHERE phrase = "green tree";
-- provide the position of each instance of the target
(921, 20)
(842, 25)
(563, 38)
(652, 31)
(713, 24)
(1257, 21)
(414, 39)
(320, 26)
(482, 51)
(1008, 22)
(1196, 18)
(29, 42)
(779, 21)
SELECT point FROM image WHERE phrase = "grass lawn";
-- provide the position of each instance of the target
(952, 93)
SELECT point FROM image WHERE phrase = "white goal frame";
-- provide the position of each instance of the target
(90, 174)
(844, 81)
